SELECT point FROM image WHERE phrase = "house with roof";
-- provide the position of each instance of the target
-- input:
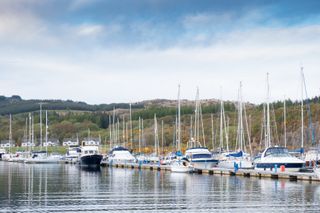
(51, 142)
(7, 143)
(90, 142)
(70, 142)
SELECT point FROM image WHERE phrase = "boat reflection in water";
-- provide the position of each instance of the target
(64, 187)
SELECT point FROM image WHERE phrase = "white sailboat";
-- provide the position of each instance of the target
(238, 158)
(199, 156)
(119, 154)
(42, 157)
(155, 156)
(274, 156)
(180, 164)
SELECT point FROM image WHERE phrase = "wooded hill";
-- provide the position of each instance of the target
(68, 119)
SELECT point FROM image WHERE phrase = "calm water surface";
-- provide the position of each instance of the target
(68, 188)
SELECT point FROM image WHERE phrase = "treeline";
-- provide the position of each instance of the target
(16, 105)
(69, 122)
(185, 110)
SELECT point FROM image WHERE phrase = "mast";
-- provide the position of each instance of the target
(162, 150)
(110, 132)
(47, 132)
(221, 124)
(179, 121)
(142, 134)
(30, 131)
(285, 122)
(302, 118)
(40, 123)
(123, 130)
(240, 118)
(155, 135)
(268, 114)
(10, 133)
(212, 132)
(32, 118)
(191, 133)
(131, 138)
(139, 135)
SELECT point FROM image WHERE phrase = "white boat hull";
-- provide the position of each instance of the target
(230, 164)
(181, 167)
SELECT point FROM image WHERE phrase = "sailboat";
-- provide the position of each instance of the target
(119, 154)
(180, 164)
(275, 156)
(8, 156)
(154, 157)
(239, 157)
(199, 156)
(42, 157)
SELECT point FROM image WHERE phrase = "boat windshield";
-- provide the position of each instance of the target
(277, 151)
(195, 156)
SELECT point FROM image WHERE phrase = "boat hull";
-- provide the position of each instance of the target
(204, 164)
(181, 167)
(292, 167)
(41, 161)
(91, 160)
(230, 164)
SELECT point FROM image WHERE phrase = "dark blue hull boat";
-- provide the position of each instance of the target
(91, 160)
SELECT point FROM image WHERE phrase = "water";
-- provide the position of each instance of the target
(68, 188)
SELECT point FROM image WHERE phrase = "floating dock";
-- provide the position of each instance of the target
(292, 176)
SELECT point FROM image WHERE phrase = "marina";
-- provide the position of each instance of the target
(159, 106)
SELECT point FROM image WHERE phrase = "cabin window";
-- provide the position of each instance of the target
(201, 156)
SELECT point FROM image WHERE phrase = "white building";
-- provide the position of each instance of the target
(90, 142)
(70, 142)
(7, 144)
(51, 142)
(27, 144)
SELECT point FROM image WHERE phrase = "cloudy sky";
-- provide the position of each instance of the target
(103, 51)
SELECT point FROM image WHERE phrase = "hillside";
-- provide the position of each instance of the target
(67, 119)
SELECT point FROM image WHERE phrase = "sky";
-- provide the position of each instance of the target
(103, 51)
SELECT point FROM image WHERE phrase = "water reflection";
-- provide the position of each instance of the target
(70, 188)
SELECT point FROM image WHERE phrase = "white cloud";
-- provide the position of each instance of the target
(66, 68)
(89, 30)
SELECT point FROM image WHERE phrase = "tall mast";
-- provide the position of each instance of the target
(221, 124)
(162, 137)
(32, 118)
(285, 122)
(191, 133)
(123, 130)
(155, 134)
(268, 114)
(113, 126)
(212, 132)
(30, 131)
(302, 118)
(240, 118)
(110, 132)
(40, 122)
(179, 121)
(139, 134)
(131, 138)
(47, 132)
(142, 135)
(10, 133)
